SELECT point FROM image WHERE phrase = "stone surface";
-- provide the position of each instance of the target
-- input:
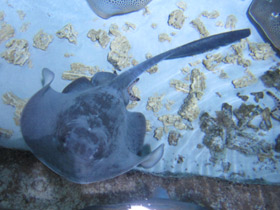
(28, 184)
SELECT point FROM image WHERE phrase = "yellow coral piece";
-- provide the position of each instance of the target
(164, 37)
(197, 24)
(21, 14)
(7, 31)
(248, 79)
(10, 98)
(261, 51)
(17, 52)
(231, 22)
(154, 103)
(182, 5)
(118, 56)
(179, 85)
(69, 33)
(100, 36)
(2, 15)
(211, 15)
(189, 109)
(42, 40)
(80, 70)
(176, 19)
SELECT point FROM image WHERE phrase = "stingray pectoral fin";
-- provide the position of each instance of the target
(153, 157)
(101, 78)
(136, 130)
(48, 76)
(41, 111)
(79, 84)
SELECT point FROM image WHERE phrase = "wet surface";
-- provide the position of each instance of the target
(25, 183)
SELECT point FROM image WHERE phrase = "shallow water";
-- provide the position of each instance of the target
(250, 159)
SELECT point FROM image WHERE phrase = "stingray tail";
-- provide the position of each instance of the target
(193, 48)
(208, 43)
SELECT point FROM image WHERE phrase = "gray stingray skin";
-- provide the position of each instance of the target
(108, 8)
(85, 133)
(266, 13)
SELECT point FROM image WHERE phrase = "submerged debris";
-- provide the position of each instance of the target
(247, 80)
(164, 37)
(169, 120)
(198, 83)
(175, 121)
(189, 110)
(118, 56)
(275, 113)
(154, 68)
(181, 5)
(271, 78)
(245, 114)
(261, 51)
(24, 27)
(180, 85)
(80, 70)
(154, 103)
(180, 159)
(257, 96)
(68, 55)
(69, 33)
(212, 61)
(169, 104)
(224, 117)
(154, 25)
(42, 40)
(146, 11)
(21, 14)
(2, 15)
(158, 133)
(210, 15)
(128, 26)
(237, 55)
(243, 97)
(277, 144)
(10, 98)
(114, 30)
(148, 126)
(5, 133)
(266, 123)
(6, 32)
(176, 19)
(222, 132)
(197, 24)
(17, 52)
(173, 138)
(247, 143)
(231, 22)
(101, 36)
(214, 136)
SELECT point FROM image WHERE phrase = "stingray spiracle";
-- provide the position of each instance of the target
(132, 97)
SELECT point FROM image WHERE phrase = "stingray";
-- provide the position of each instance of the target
(266, 13)
(86, 134)
(108, 8)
